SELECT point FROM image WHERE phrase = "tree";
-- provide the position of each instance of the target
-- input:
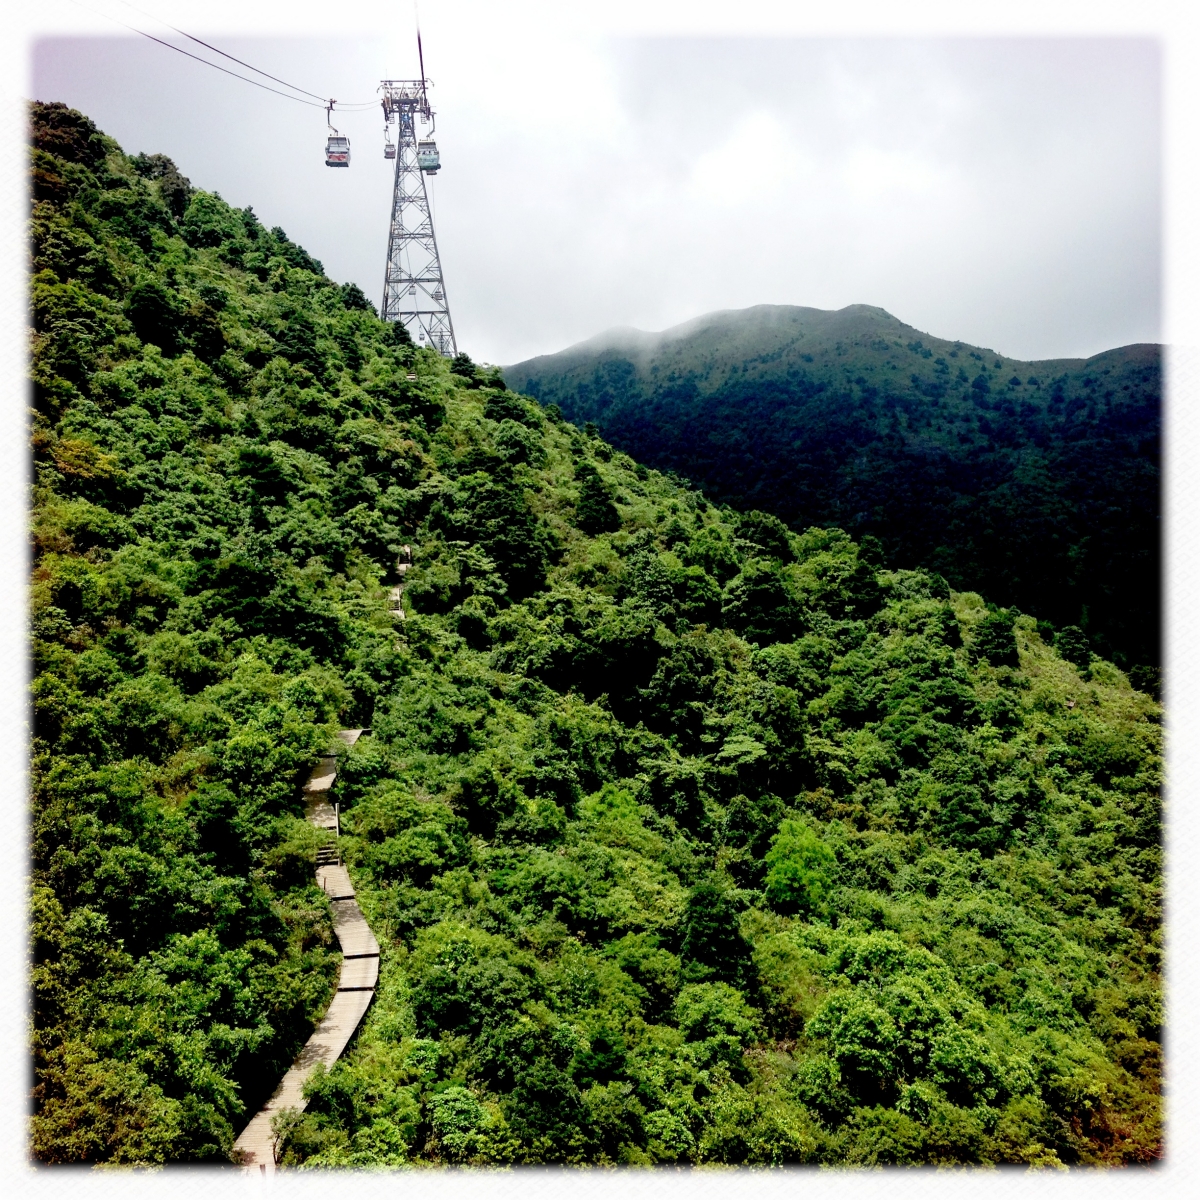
(713, 947)
(355, 300)
(757, 604)
(594, 510)
(800, 869)
(995, 641)
(767, 533)
(155, 313)
(175, 188)
(1073, 644)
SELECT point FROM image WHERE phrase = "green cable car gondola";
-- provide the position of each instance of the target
(427, 156)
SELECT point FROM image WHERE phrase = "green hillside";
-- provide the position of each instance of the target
(1036, 484)
(686, 838)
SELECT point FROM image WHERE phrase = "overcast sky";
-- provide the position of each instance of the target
(1001, 191)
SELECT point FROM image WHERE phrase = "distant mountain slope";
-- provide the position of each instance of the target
(1035, 483)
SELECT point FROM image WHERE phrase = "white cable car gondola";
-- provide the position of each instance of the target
(337, 148)
(337, 151)
(389, 150)
(427, 156)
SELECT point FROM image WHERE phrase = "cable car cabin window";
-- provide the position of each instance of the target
(337, 152)
(427, 156)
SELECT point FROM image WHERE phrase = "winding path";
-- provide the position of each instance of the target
(356, 981)
(403, 562)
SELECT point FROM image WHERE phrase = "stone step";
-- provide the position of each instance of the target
(357, 976)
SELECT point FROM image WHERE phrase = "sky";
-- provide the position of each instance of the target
(1003, 191)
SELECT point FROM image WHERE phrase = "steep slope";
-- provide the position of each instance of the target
(686, 838)
(1035, 483)
(215, 431)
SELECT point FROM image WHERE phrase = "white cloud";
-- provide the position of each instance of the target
(1002, 191)
(759, 158)
(872, 175)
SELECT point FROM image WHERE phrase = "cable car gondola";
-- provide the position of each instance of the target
(427, 156)
(389, 147)
(337, 148)
(337, 151)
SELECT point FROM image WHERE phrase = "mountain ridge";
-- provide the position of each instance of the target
(1034, 482)
(630, 336)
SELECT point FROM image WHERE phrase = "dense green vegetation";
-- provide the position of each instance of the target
(1036, 484)
(209, 523)
(686, 837)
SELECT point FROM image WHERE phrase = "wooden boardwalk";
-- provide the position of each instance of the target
(403, 562)
(356, 981)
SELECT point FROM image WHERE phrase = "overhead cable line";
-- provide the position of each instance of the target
(217, 66)
(215, 50)
(196, 57)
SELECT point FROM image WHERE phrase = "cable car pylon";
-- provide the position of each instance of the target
(414, 291)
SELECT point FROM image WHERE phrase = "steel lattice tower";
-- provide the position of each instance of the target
(413, 289)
